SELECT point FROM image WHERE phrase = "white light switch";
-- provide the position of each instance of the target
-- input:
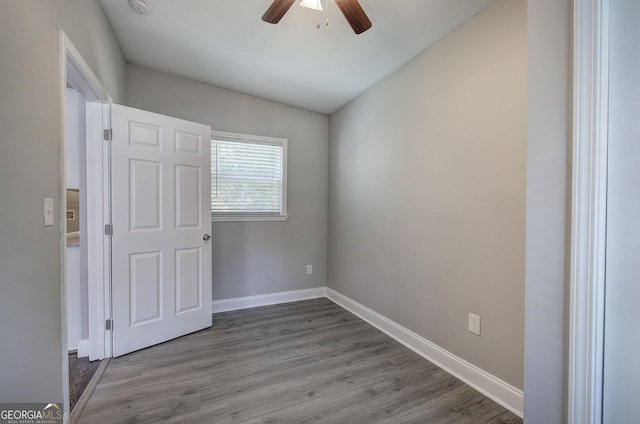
(48, 212)
(309, 269)
(474, 324)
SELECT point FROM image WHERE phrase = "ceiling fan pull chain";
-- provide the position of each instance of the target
(326, 12)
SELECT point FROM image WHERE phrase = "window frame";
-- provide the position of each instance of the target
(254, 139)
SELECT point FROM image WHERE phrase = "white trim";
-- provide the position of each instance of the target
(588, 220)
(95, 219)
(487, 384)
(248, 218)
(260, 139)
(83, 348)
(107, 340)
(237, 303)
(80, 74)
(63, 226)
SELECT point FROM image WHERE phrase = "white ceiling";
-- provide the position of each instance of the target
(225, 43)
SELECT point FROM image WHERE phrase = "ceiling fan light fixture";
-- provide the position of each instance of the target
(312, 4)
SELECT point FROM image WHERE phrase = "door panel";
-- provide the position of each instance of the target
(188, 196)
(145, 186)
(146, 287)
(161, 197)
(187, 280)
(188, 143)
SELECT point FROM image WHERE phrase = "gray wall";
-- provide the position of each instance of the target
(30, 254)
(548, 206)
(252, 258)
(622, 338)
(427, 192)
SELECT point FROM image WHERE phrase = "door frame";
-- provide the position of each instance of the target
(588, 212)
(74, 69)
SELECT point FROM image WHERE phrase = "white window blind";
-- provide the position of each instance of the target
(248, 178)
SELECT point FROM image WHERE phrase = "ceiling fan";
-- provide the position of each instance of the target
(351, 9)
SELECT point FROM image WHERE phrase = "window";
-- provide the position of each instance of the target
(248, 178)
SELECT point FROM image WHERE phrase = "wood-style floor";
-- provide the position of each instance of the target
(81, 370)
(302, 362)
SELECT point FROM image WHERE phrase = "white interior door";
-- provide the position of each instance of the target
(161, 207)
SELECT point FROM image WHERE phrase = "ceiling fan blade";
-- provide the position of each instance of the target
(276, 11)
(354, 14)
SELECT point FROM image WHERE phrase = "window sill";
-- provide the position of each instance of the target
(246, 218)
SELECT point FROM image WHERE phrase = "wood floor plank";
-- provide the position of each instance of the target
(81, 371)
(302, 362)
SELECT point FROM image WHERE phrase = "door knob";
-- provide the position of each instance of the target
(206, 237)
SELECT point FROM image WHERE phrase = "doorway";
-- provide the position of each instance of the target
(85, 259)
(162, 255)
(80, 368)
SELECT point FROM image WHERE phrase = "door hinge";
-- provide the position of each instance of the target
(108, 134)
(108, 325)
(108, 230)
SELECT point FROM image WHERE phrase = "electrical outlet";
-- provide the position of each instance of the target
(309, 269)
(474, 324)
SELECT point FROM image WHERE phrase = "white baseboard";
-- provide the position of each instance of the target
(236, 303)
(487, 384)
(83, 348)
